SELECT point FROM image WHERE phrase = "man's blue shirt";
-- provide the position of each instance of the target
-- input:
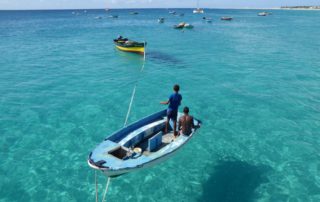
(174, 101)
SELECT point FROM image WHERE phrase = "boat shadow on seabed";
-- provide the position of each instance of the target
(160, 57)
(153, 56)
(234, 181)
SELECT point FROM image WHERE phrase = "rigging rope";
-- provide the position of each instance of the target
(125, 123)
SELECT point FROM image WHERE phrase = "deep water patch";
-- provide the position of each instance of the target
(234, 181)
(161, 57)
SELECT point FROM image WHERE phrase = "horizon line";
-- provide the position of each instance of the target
(55, 9)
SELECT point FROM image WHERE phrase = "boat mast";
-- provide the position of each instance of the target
(198, 4)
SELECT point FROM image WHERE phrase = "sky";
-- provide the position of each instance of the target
(78, 4)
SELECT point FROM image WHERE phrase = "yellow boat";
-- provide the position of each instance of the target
(127, 45)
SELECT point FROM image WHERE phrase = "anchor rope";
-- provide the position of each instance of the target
(125, 123)
(130, 105)
(106, 190)
(135, 87)
(96, 182)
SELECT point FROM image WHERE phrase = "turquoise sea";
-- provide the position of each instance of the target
(254, 82)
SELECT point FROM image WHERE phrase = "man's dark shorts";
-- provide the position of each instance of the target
(172, 115)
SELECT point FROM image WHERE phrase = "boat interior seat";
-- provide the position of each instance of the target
(142, 133)
(155, 142)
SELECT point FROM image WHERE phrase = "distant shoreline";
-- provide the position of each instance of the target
(312, 8)
(75, 9)
(301, 9)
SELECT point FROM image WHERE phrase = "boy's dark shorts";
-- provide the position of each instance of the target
(172, 115)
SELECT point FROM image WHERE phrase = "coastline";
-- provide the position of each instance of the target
(73, 9)
(88, 9)
(301, 9)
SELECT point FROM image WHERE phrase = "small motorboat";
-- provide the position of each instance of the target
(182, 25)
(188, 26)
(179, 26)
(127, 45)
(137, 146)
(172, 12)
(263, 14)
(134, 13)
(98, 17)
(227, 18)
(161, 20)
(113, 16)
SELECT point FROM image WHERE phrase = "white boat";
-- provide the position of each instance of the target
(113, 16)
(137, 146)
(227, 18)
(188, 26)
(263, 14)
(198, 10)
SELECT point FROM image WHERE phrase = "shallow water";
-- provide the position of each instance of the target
(254, 82)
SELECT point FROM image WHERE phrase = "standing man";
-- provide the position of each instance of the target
(172, 112)
(186, 122)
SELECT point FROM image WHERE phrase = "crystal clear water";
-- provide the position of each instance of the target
(254, 82)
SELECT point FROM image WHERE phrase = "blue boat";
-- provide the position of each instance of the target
(139, 145)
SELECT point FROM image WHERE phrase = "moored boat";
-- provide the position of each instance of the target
(227, 18)
(182, 25)
(263, 14)
(179, 26)
(198, 10)
(188, 26)
(137, 146)
(127, 45)
(113, 16)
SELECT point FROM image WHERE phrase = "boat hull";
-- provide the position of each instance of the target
(198, 11)
(138, 50)
(114, 157)
(116, 173)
